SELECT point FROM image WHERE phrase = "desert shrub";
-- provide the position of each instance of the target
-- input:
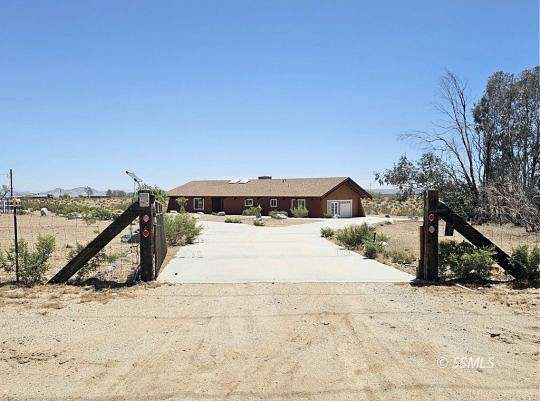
(381, 237)
(181, 229)
(402, 257)
(327, 232)
(463, 260)
(372, 249)
(529, 258)
(252, 211)
(33, 263)
(102, 258)
(100, 214)
(391, 205)
(66, 207)
(351, 237)
(299, 212)
(258, 223)
(235, 220)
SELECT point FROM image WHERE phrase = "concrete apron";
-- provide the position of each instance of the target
(242, 253)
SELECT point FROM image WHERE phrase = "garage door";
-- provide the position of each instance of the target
(345, 208)
(341, 208)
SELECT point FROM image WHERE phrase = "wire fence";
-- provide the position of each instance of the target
(73, 223)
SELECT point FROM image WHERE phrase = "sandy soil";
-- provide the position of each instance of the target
(268, 342)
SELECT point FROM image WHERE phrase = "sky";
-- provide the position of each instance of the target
(182, 90)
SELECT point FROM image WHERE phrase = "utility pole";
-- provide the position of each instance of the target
(14, 226)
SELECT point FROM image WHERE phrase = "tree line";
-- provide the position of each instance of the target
(484, 157)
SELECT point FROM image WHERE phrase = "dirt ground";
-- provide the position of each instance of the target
(267, 222)
(268, 342)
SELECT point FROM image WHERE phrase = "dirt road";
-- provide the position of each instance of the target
(268, 342)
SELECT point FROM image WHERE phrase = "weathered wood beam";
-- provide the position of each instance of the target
(96, 245)
(476, 238)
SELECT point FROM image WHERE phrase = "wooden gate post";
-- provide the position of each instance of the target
(420, 266)
(431, 236)
(146, 234)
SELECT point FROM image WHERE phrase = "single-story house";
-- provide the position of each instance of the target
(336, 196)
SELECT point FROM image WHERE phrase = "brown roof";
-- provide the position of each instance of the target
(283, 187)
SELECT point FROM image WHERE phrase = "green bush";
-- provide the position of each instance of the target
(234, 220)
(33, 264)
(372, 249)
(181, 229)
(351, 237)
(93, 264)
(381, 237)
(529, 259)
(328, 215)
(463, 260)
(252, 211)
(327, 232)
(300, 212)
(402, 257)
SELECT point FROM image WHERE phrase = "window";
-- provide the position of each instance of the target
(298, 204)
(273, 202)
(248, 203)
(198, 203)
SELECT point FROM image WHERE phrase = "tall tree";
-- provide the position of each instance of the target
(489, 152)
(453, 135)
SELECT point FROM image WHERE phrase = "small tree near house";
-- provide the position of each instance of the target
(182, 202)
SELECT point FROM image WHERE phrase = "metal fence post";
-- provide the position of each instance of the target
(14, 207)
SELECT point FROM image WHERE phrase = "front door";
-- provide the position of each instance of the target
(334, 208)
(217, 205)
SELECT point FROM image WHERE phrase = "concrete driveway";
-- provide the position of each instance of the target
(242, 253)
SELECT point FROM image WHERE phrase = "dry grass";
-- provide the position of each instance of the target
(381, 206)
(43, 297)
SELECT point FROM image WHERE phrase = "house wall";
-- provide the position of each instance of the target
(344, 192)
(317, 206)
(235, 205)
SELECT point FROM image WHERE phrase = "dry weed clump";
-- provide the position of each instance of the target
(411, 207)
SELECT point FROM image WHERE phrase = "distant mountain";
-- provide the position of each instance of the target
(57, 192)
(385, 191)
(74, 193)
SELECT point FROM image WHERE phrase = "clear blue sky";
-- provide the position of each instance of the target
(180, 90)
